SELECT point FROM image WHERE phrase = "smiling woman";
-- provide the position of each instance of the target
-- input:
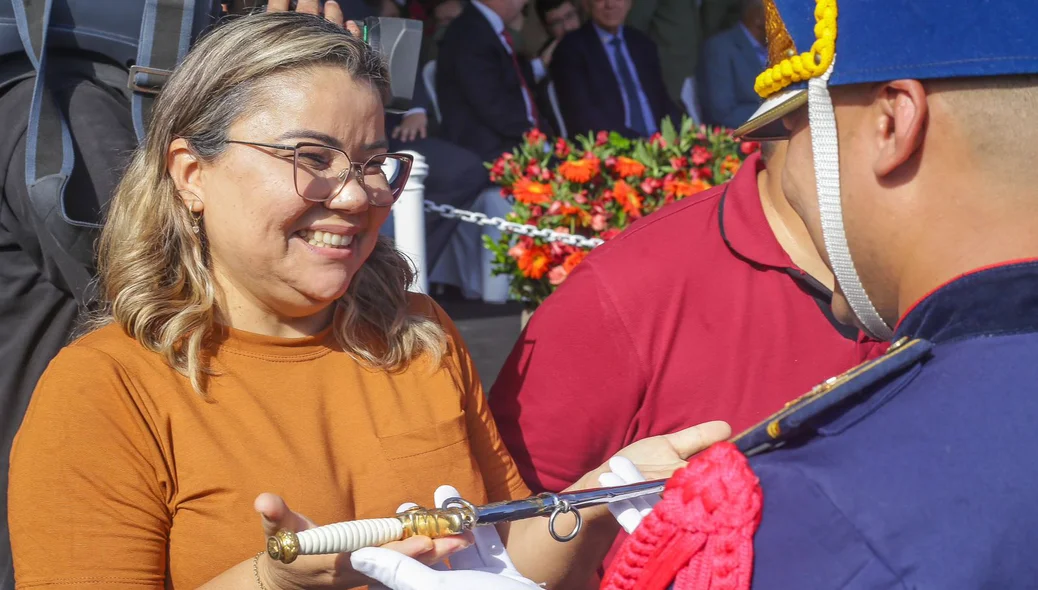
(256, 335)
(256, 341)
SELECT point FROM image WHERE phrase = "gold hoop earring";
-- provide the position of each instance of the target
(196, 216)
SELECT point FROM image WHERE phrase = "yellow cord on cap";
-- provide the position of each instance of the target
(805, 66)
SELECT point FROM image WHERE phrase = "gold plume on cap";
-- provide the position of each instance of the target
(780, 43)
(792, 67)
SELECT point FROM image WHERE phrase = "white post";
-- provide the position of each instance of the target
(409, 221)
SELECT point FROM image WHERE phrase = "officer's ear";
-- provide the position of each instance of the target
(901, 115)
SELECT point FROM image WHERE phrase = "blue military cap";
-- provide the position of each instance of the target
(878, 40)
(800, 417)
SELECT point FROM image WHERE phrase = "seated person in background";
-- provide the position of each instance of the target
(257, 335)
(558, 17)
(608, 78)
(443, 13)
(735, 327)
(484, 87)
(728, 68)
(456, 175)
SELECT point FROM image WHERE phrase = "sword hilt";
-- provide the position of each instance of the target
(345, 537)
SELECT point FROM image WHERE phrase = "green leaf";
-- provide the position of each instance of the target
(668, 132)
(618, 141)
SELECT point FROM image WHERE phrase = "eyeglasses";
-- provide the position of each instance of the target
(322, 171)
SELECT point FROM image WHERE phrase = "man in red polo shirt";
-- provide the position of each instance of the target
(714, 308)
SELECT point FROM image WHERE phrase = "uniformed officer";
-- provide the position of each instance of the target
(911, 125)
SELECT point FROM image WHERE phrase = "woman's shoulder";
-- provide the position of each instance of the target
(420, 304)
(95, 355)
(108, 340)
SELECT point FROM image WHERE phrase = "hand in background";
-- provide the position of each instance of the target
(413, 126)
(548, 52)
(332, 11)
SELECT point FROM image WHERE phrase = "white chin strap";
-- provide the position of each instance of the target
(827, 177)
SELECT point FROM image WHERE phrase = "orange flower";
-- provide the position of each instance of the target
(626, 167)
(573, 260)
(628, 198)
(534, 262)
(731, 164)
(581, 171)
(532, 193)
(684, 188)
(583, 217)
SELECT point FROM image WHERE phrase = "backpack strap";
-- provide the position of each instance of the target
(49, 157)
(164, 40)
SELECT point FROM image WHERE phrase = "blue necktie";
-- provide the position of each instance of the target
(629, 88)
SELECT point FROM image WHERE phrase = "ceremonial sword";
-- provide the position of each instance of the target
(455, 517)
(458, 515)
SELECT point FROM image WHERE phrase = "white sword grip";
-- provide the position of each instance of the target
(344, 537)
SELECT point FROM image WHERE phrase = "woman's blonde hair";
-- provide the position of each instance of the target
(154, 270)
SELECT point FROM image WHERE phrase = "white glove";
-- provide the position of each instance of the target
(629, 513)
(485, 564)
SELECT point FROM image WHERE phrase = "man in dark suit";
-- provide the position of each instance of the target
(485, 89)
(730, 64)
(456, 175)
(608, 77)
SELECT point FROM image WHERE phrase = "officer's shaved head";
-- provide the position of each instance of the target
(998, 118)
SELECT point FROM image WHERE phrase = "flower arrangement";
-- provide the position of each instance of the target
(596, 186)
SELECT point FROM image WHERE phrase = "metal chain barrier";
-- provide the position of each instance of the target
(504, 225)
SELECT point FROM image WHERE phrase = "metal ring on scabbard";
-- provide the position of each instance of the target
(562, 507)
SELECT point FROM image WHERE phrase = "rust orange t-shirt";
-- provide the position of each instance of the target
(122, 476)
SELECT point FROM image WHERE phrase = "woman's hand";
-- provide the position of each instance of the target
(318, 571)
(658, 457)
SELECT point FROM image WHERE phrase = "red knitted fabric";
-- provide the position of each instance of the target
(700, 535)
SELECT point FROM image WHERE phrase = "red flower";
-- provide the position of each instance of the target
(534, 136)
(602, 138)
(557, 275)
(562, 148)
(748, 147)
(658, 140)
(701, 155)
(609, 234)
(679, 163)
(651, 185)
(533, 170)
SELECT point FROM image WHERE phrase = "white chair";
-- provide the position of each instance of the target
(429, 79)
(554, 100)
(690, 100)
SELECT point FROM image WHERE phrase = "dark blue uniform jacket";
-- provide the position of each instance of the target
(926, 477)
